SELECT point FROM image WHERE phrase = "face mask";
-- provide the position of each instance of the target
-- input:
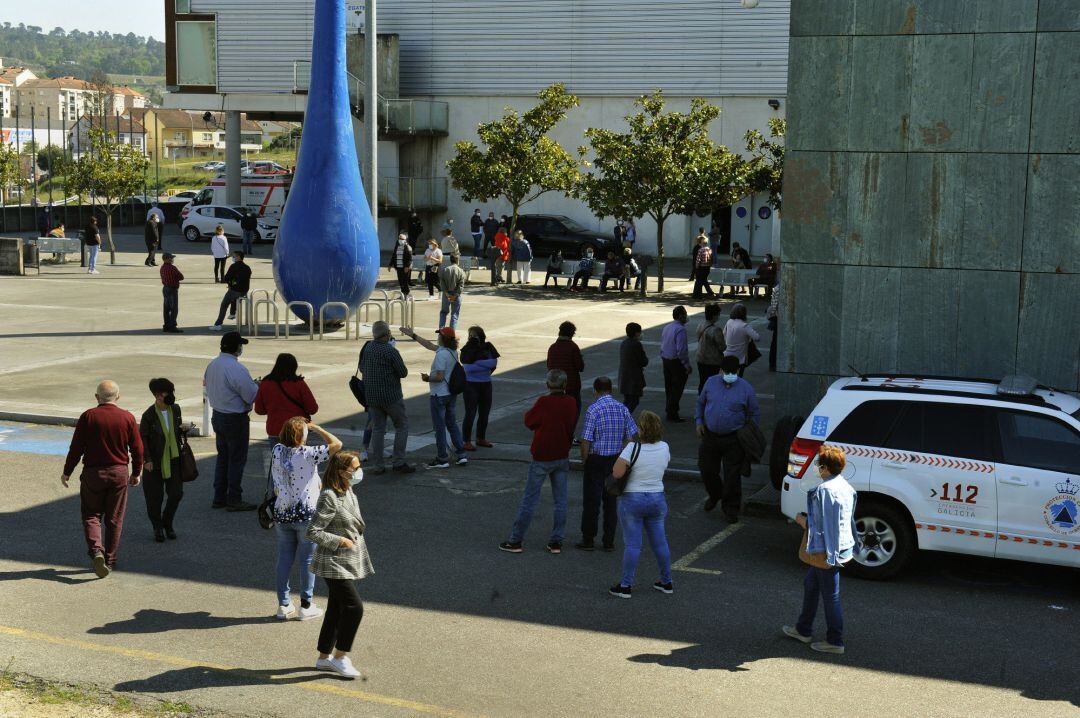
(356, 477)
(169, 399)
(730, 378)
(239, 352)
(304, 439)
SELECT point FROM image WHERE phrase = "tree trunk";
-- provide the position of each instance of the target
(660, 254)
(513, 219)
(108, 232)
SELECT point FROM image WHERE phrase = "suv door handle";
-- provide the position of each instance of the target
(1013, 481)
(895, 464)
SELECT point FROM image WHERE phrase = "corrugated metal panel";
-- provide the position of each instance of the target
(614, 48)
(258, 41)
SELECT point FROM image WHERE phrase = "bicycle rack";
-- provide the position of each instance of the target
(364, 312)
(243, 315)
(407, 307)
(269, 304)
(310, 322)
(322, 318)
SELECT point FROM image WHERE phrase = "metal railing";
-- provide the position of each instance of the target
(409, 193)
(395, 115)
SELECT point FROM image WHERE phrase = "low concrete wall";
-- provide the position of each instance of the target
(11, 255)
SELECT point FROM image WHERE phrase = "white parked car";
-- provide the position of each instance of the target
(969, 466)
(211, 166)
(184, 196)
(203, 220)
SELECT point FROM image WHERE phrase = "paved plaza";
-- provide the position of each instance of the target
(452, 626)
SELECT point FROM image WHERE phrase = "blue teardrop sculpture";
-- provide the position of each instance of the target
(327, 248)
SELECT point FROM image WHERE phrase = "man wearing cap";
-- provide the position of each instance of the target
(443, 403)
(231, 392)
(170, 292)
(239, 280)
(383, 369)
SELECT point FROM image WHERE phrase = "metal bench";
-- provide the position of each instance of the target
(467, 264)
(734, 278)
(54, 245)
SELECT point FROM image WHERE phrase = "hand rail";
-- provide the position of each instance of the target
(365, 310)
(310, 321)
(269, 304)
(322, 317)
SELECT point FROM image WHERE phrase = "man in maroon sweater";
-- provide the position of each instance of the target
(104, 438)
(552, 419)
(565, 356)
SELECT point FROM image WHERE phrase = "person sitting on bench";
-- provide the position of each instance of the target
(613, 272)
(765, 277)
(554, 267)
(584, 271)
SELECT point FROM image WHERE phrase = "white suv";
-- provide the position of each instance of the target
(201, 223)
(969, 466)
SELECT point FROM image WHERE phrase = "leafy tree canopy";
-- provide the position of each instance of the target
(767, 160)
(79, 54)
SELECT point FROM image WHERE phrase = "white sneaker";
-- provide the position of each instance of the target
(344, 667)
(215, 327)
(286, 612)
(323, 664)
(312, 611)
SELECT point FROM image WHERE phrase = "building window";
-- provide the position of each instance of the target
(183, 7)
(208, 137)
(196, 55)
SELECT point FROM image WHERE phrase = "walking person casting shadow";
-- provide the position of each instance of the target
(161, 437)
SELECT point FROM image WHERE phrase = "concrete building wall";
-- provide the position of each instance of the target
(930, 214)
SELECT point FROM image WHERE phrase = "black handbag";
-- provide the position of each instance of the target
(356, 384)
(266, 508)
(189, 470)
(615, 487)
(752, 353)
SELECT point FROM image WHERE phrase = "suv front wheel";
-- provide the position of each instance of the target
(192, 233)
(887, 540)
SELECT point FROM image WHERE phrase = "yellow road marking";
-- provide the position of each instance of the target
(683, 564)
(187, 663)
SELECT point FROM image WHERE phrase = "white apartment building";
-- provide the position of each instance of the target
(63, 99)
(451, 66)
(123, 129)
(10, 79)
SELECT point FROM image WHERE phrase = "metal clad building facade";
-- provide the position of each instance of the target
(615, 48)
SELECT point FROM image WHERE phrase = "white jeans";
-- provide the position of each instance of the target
(524, 270)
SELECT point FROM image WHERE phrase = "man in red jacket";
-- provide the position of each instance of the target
(105, 437)
(552, 419)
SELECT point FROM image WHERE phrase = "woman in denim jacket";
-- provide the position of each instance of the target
(830, 526)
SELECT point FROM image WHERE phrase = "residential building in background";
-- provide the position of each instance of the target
(64, 98)
(10, 79)
(121, 128)
(180, 134)
(132, 99)
(441, 74)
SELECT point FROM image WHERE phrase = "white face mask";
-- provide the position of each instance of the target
(730, 378)
(356, 477)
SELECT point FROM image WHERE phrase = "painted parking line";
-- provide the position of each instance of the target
(684, 563)
(180, 662)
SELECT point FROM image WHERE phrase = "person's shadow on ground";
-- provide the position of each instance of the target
(51, 574)
(184, 679)
(153, 620)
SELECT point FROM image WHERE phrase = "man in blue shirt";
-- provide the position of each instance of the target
(725, 405)
(675, 354)
(608, 427)
(230, 391)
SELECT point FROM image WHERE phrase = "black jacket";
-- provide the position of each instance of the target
(632, 363)
(238, 277)
(491, 228)
(406, 258)
(152, 234)
(476, 224)
(153, 437)
(249, 222)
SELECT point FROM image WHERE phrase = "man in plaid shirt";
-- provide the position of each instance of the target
(383, 369)
(608, 428)
(170, 292)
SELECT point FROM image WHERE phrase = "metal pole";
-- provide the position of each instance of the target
(232, 157)
(48, 152)
(18, 162)
(371, 109)
(34, 147)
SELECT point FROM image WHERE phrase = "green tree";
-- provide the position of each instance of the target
(767, 160)
(11, 175)
(52, 159)
(108, 172)
(665, 164)
(519, 162)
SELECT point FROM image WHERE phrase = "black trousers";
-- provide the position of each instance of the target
(344, 611)
(584, 277)
(170, 307)
(701, 282)
(403, 279)
(432, 279)
(675, 377)
(156, 488)
(705, 372)
(772, 348)
(477, 407)
(631, 401)
(551, 276)
(219, 269)
(720, 461)
(597, 468)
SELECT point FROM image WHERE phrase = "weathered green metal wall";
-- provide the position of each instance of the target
(931, 192)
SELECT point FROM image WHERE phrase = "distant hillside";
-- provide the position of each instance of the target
(80, 54)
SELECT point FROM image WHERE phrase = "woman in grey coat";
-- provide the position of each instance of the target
(341, 557)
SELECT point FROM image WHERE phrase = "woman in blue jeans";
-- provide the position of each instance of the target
(830, 543)
(642, 504)
(294, 468)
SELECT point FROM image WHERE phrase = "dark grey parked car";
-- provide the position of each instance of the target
(549, 232)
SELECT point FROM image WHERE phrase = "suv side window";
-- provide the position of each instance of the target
(553, 228)
(959, 430)
(226, 213)
(868, 424)
(1039, 442)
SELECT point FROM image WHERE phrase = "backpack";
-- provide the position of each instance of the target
(457, 380)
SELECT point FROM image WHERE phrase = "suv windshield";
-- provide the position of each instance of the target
(572, 225)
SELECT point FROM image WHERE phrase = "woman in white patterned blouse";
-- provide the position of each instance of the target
(295, 470)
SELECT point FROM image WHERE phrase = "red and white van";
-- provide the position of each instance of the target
(263, 194)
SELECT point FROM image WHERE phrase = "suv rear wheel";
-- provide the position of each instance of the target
(192, 234)
(887, 538)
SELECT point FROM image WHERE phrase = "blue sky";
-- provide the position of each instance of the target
(142, 17)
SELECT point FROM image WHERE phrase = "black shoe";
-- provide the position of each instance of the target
(554, 547)
(711, 504)
(218, 505)
(404, 469)
(585, 545)
(619, 591)
(241, 506)
(731, 518)
(664, 587)
(609, 547)
(159, 535)
(170, 533)
(511, 547)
